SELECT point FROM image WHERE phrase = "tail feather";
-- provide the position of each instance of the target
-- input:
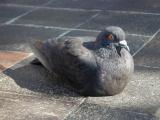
(39, 51)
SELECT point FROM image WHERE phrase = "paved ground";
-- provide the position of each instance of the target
(30, 92)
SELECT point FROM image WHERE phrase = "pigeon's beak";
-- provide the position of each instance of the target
(124, 43)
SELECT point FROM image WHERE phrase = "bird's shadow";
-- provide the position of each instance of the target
(37, 79)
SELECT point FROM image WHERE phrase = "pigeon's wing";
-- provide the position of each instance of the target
(69, 58)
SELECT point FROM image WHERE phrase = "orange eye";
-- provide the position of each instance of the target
(109, 37)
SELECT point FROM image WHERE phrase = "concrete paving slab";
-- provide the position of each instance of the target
(131, 23)
(21, 107)
(58, 18)
(150, 54)
(3, 20)
(98, 112)
(128, 5)
(24, 2)
(141, 94)
(134, 42)
(17, 37)
(9, 12)
(30, 92)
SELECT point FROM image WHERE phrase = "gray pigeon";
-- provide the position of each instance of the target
(94, 66)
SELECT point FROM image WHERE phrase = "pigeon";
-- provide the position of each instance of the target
(94, 66)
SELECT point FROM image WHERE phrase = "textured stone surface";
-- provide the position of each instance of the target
(128, 5)
(76, 33)
(134, 42)
(7, 13)
(141, 94)
(98, 112)
(24, 2)
(58, 18)
(131, 23)
(17, 37)
(30, 92)
(20, 107)
(150, 54)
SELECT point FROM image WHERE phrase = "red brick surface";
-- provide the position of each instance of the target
(9, 58)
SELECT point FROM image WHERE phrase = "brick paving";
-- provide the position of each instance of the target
(30, 92)
(9, 58)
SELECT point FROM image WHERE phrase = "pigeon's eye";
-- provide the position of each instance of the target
(109, 37)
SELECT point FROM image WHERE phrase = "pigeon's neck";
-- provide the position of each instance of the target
(105, 52)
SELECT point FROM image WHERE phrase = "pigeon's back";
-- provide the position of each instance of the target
(69, 58)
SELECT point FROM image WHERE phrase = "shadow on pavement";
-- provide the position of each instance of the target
(37, 79)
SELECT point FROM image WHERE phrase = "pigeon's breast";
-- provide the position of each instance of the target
(106, 53)
(110, 63)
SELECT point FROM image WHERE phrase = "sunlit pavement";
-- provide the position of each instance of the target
(30, 92)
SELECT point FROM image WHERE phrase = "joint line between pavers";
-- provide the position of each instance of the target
(40, 26)
(13, 51)
(133, 12)
(30, 54)
(77, 26)
(47, 3)
(17, 5)
(150, 39)
(85, 10)
(18, 17)
(138, 35)
(51, 8)
(147, 66)
(26, 13)
(51, 27)
(72, 29)
(75, 108)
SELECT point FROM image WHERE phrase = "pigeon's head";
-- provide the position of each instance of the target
(112, 36)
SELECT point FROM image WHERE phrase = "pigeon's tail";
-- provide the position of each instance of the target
(38, 48)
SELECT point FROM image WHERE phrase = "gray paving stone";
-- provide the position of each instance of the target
(7, 13)
(24, 2)
(58, 18)
(128, 5)
(21, 107)
(132, 23)
(77, 33)
(134, 42)
(141, 94)
(98, 112)
(3, 20)
(17, 37)
(150, 54)
(30, 92)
